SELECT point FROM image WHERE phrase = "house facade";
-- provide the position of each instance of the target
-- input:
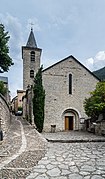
(66, 83)
(17, 103)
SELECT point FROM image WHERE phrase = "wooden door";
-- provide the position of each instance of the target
(66, 123)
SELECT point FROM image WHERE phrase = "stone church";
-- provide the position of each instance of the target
(67, 83)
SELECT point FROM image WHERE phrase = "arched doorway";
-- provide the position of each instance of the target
(71, 120)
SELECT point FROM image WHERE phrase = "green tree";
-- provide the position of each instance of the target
(38, 101)
(5, 60)
(95, 105)
(3, 89)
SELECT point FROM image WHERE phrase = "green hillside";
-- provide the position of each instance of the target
(100, 73)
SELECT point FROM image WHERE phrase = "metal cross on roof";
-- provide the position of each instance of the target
(32, 24)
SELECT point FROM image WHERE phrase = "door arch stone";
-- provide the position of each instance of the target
(71, 119)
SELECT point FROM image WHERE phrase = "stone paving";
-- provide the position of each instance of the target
(25, 154)
(71, 160)
(20, 150)
(73, 136)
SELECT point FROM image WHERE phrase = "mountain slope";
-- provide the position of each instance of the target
(100, 73)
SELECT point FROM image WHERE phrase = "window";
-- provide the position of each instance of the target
(32, 56)
(31, 73)
(70, 83)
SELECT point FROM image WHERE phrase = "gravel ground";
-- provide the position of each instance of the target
(36, 150)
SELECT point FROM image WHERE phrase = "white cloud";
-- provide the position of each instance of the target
(14, 28)
(89, 63)
(96, 62)
(100, 56)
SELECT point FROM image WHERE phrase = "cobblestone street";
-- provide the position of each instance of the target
(25, 154)
(21, 149)
(72, 161)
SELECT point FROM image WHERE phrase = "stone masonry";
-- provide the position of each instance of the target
(4, 114)
(28, 65)
(58, 101)
(63, 109)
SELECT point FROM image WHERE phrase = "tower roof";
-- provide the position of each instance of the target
(31, 40)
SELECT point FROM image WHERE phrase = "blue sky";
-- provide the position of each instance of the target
(61, 28)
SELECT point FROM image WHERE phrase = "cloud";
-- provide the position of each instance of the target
(96, 62)
(16, 41)
(100, 56)
(14, 28)
(89, 63)
(64, 28)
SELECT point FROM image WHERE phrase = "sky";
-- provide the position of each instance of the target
(61, 28)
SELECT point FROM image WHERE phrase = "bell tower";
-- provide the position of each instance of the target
(31, 55)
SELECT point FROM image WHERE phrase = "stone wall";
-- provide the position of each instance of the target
(58, 100)
(28, 106)
(100, 125)
(5, 114)
(59, 104)
(30, 65)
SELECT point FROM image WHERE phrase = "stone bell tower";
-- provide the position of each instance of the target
(31, 55)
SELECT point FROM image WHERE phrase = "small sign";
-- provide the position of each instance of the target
(82, 120)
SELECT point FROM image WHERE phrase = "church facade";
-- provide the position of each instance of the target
(67, 83)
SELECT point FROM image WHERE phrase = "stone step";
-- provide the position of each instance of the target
(74, 140)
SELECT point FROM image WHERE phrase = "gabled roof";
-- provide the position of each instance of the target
(31, 40)
(76, 62)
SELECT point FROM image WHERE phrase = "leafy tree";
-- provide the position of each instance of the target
(95, 105)
(3, 89)
(5, 60)
(38, 101)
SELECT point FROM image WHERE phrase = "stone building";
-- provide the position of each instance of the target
(17, 103)
(20, 94)
(14, 105)
(28, 105)
(66, 83)
(31, 60)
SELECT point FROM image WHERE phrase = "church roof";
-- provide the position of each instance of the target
(31, 40)
(75, 61)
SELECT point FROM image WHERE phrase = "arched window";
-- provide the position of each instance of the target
(31, 73)
(32, 56)
(70, 83)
